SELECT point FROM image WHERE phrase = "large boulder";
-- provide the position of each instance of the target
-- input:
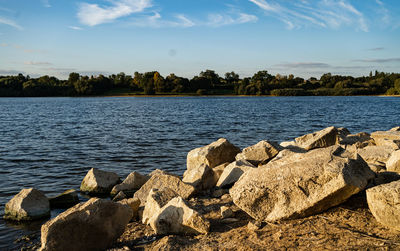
(214, 154)
(376, 155)
(359, 140)
(28, 204)
(393, 163)
(93, 225)
(99, 182)
(176, 217)
(259, 153)
(301, 184)
(134, 204)
(202, 177)
(163, 179)
(324, 138)
(67, 199)
(232, 173)
(133, 182)
(155, 201)
(387, 138)
(384, 203)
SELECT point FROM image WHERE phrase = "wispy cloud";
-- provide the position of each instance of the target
(321, 13)
(75, 28)
(46, 3)
(303, 65)
(226, 19)
(156, 21)
(36, 63)
(378, 60)
(93, 14)
(376, 49)
(11, 23)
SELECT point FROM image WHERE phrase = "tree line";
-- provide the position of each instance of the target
(208, 82)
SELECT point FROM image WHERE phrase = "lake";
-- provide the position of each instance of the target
(51, 143)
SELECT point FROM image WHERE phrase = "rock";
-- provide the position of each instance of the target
(226, 196)
(254, 225)
(214, 154)
(29, 204)
(324, 138)
(259, 153)
(164, 180)
(393, 163)
(395, 129)
(67, 199)
(93, 225)
(134, 204)
(287, 152)
(360, 140)
(232, 173)
(301, 184)
(201, 177)
(176, 217)
(218, 170)
(226, 212)
(120, 196)
(343, 132)
(155, 201)
(387, 138)
(99, 182)
(133, 182)
(376, 155)
(384, 203)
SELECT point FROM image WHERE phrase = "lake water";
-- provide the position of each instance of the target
(51, 143)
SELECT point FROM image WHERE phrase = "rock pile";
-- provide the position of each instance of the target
(270, 182)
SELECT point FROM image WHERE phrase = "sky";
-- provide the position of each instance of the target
(301, 37)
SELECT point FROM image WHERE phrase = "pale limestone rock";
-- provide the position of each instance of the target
(134, 204)
(395, 129)
(384, 203)
(259, 153)
(232, 173)
(387, 138)
(214, 154)
(155, 201)
(67, 199)
(93, 225)
(176, 217)
(376, 155)
(133, 182)
(393, 163)
(301, 184)
(218, 170)
(163, 179)
(324, 138)
(359, 140)
(99, 182)
(226, 212)
(201, 177)
(28, 204)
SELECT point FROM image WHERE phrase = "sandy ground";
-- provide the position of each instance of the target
(349, 226)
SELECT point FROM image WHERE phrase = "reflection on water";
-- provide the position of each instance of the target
(50, 143)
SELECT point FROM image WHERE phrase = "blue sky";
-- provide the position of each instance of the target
(303, 37)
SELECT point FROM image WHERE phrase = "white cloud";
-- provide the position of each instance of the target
(156, 21)
(225, 19)
(11, 23)
(93, 14)
(75, 28)
(322, 13)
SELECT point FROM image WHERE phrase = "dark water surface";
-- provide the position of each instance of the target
(50, 143)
